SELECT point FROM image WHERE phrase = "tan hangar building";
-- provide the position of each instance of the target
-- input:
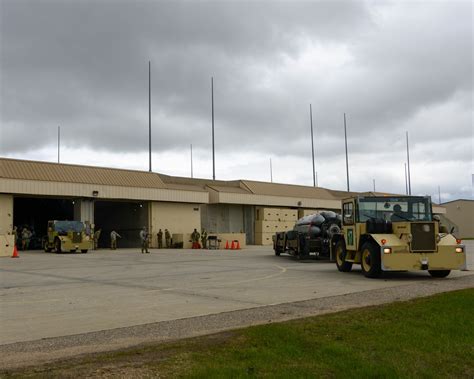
(31, 193)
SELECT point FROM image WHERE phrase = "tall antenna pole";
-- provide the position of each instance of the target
(213, 151)
(312, 143)
(59, 141)
(374, 184)
(149, 115)
(406, 179)
(439, 195)
(191, 161)
(271, 171)
(408, 162)
(347, 158)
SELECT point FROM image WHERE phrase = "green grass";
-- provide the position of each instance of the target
(426, 338)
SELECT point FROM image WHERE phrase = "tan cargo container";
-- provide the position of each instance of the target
(263, 238)
(276, 214)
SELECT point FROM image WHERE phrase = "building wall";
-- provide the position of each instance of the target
(223, 218)
(179, 218)
(32, 187)
(6, 214)
(461, 212)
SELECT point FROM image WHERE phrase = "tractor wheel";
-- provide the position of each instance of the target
(46, 247)
(341, 264)
(439, 273)
(276, 248)
(84, 251)
(370, 261)
(57, 245)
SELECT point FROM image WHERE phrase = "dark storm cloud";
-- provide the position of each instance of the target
(391, 66)
(83, 64)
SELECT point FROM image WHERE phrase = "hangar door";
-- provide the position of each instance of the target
(126, 218)
(35, 212)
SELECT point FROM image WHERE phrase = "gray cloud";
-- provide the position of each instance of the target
(391, 66)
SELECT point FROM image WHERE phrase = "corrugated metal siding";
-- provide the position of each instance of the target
(47, 188)
(53, 172)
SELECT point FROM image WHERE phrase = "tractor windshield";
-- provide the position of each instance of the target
(394, 209)
(68, 226)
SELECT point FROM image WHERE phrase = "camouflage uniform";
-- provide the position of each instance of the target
(204, 239)
(144, 239)
(160, 239)
(167, 238)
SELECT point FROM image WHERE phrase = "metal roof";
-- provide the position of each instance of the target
(54, 172)
(288, 190)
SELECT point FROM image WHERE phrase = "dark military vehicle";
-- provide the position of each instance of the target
(311, 235)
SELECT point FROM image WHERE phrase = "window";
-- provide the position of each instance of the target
(348, 213)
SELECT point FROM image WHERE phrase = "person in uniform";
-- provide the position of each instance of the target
(25, 238)
(160, 239)
(113, 239)
(96, 238)
(204, 238)
(167, 238)
(144, 239)
(195, 239)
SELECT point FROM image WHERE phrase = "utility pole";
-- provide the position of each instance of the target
(374, 184)
(213, 148)
(271, 171)
(406, 179)
(191, 161)
(59, 141)
(149, 115)
(347, 158)
(439, 195)
(312, 143)
(408, 162)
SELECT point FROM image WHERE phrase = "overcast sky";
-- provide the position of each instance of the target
(391, 67)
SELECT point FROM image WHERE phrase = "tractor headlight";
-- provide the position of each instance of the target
(459, 250)
(387, 250)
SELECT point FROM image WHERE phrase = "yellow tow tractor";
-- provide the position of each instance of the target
(68, 236)
(395, 234)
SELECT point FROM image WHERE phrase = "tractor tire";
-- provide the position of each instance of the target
(370, 260)
(46, 247)
(439, 273)
(84, 251)
(341, 264)
(57, 245)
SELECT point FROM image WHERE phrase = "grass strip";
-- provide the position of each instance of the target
(431, 337)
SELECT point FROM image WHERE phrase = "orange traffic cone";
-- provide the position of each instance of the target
(232, 247)
(227, 245)
(15, 252)
(238, 245)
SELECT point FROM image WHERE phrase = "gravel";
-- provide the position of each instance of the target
(46, 350)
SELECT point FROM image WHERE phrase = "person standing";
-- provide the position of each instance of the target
(25, 238)
(195, 239)
(96, 238)
(160, 239)
(204, 238)
(167, 238)
(113, 239)
(144, 240)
